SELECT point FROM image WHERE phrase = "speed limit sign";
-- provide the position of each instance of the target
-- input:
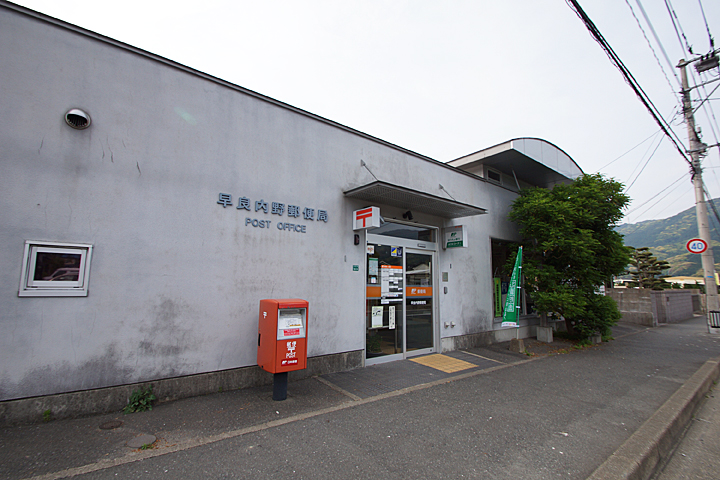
(696, 245)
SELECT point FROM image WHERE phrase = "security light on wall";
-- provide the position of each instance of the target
(77, 119)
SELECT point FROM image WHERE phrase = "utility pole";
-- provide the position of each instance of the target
(697, 150)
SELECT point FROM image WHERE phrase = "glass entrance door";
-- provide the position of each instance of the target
(419, 323)
(399, 307)
(384, 317)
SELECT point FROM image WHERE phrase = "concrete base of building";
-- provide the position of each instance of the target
(544, 334)
(113, 399)
(481, 339)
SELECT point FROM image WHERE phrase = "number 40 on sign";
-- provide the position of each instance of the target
(696, 245)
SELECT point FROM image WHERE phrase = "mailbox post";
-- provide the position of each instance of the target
(282, 340)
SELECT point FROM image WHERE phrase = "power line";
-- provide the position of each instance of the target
(645, 165)
(712, 204)
(647, 20)
(710, 116)
(633, 148)
(707, 97)
(629, 78)
(712, 42)
(674, 18)
(684, 192)
(654, 196)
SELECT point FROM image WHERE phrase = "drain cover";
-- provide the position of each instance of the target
(112, 424)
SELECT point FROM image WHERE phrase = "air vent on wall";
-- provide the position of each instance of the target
(77, 119)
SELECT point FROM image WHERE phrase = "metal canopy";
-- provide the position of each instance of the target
(406, 198)
(525, 168)
(532, 160)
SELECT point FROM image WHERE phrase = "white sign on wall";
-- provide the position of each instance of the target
(456, 237)
(366, 218)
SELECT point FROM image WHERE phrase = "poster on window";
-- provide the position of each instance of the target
(377, 317)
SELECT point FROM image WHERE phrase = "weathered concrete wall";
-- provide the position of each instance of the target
(635, 304)
(670, 306)
(648, 307)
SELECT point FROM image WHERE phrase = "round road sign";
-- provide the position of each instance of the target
(696, 245)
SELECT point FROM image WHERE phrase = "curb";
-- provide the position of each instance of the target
(653, 443)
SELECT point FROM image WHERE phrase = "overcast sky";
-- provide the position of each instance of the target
(447, 78)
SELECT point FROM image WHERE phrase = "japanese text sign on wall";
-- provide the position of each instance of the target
(274, 208)
(366, 218)
(456, 237)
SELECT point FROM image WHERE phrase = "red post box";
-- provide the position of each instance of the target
(282, 335)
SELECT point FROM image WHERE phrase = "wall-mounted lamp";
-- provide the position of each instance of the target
(77, 119)
(357, 239)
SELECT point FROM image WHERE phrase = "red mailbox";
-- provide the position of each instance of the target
(282, 335)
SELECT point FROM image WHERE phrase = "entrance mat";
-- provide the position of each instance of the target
(443, 363)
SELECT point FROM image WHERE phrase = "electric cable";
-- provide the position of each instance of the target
(707, 97)
(712, 206)
(660, 44)
(640, 162)
(712, 42)
(654, 196)
(633, 148)
(673, 18)
(684, 192)
(647, 20)
(710, 201)
(646, 164)
(629, 78)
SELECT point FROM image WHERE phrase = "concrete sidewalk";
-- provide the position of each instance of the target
(698, 454)
(481, 413)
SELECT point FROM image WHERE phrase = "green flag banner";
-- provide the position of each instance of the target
(512, 304)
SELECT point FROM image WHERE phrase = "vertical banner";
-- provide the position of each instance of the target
(498, 297)
(512, 304)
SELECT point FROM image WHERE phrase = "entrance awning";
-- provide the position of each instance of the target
(414, 200)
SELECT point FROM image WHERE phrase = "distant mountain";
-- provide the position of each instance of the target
(667, 238)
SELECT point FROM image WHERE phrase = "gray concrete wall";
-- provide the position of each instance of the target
(647, 307)
(672, 306)
(175, 277)
(635, 305)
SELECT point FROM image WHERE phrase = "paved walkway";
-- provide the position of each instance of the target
(480, 413)
(698, 455)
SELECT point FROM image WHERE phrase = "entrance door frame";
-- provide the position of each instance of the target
(417, 246)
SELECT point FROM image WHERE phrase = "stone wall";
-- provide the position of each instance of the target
(647, 307)
(670, 306)
(635, 304)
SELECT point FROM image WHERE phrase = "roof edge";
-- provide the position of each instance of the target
(457, 162)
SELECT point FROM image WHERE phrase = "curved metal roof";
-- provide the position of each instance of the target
(533, 160)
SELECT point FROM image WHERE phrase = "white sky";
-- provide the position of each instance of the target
(449, 78)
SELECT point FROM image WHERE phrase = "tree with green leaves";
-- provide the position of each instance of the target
(646, 269)
(571, 249)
